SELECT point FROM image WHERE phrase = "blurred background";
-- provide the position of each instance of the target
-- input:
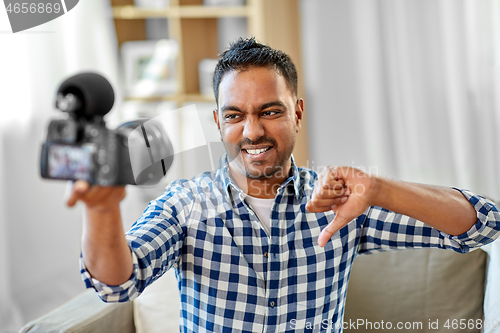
(406, 89)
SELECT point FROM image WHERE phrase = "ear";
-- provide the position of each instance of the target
(299, 111)
(216, 118)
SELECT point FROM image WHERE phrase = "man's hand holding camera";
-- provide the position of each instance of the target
(96, 197)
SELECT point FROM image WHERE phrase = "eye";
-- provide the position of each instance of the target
(232, 116)
(270, 113)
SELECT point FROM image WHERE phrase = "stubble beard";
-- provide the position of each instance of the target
(274, 169)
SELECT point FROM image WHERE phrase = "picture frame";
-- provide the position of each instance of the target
(151, 3)
(149, 67)
(223, 2)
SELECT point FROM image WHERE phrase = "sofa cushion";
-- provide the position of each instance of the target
(491, 297)
(417, 285)
(86, 313)
(156, 310)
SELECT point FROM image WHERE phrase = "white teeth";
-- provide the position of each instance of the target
(256, 151)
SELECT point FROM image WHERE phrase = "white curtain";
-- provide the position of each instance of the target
(409, 89)
(10, 314)
(39, 236)
(428, 85)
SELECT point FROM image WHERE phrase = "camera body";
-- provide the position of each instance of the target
(82, 147)
(86, 150)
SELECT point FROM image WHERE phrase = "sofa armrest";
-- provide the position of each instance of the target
(84, 314)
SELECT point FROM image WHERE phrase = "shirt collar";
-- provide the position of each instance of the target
(228, 182)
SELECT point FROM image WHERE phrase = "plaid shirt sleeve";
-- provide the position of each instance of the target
(155, 240)
(385, 230)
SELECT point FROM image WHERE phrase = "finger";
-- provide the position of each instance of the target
(332, 174)
(332, 184)
(80, 187)
(334, 188)
(334, 226)
(330, 193)
(325, 206)
(328, 178)
(323, 183)
(337, 191)
(74, 197)
(323, 202)
(318, 209)
(330, 181)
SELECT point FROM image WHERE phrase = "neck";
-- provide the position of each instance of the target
(265, 187)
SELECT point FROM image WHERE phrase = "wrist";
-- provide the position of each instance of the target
(102, 213)
(376, 189)
(103, 209)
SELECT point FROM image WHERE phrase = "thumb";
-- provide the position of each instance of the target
(334, 226)
(77, 191)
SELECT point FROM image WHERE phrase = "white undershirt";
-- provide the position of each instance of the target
(262, 207)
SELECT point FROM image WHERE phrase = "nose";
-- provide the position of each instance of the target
(253, 129)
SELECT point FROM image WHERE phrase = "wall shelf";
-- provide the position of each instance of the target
(178, 98)
(194, 26)
(131, 12)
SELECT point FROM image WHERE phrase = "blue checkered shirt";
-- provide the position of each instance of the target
(233, 277)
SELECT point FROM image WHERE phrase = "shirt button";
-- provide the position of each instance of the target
(266, 255)
(271, 304)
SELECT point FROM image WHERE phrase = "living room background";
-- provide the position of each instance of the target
(406, 89)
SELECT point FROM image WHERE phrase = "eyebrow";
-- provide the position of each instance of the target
(262, 107)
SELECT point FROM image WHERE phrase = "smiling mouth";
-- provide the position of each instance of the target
(256, 151)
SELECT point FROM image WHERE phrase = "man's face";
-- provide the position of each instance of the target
(258, 119)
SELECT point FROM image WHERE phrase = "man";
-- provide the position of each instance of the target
(260, 245)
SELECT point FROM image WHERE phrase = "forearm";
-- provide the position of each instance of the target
(105, 251)
(443, 208)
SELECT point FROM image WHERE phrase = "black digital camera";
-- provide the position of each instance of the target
(82, 147)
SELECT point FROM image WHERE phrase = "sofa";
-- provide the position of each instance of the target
(426, 288)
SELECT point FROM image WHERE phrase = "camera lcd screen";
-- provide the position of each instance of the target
(69, 162)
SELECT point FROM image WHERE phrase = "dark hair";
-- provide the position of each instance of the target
(248, 53)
